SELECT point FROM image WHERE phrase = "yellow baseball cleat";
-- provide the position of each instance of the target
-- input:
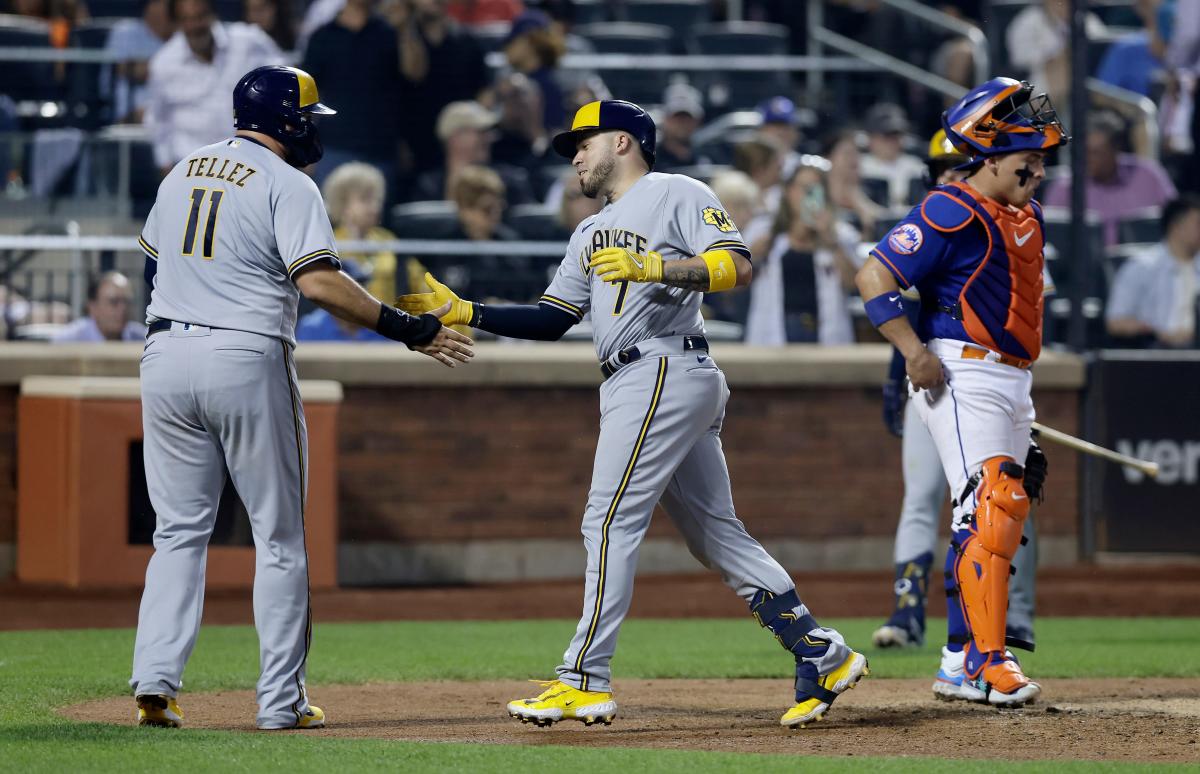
(313, 718)
(560, 701)
(158, 710)
(824, 691)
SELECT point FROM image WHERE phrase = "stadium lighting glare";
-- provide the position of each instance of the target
(49, 110)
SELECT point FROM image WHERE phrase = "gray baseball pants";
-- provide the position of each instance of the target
(660, 424)
(216, 400)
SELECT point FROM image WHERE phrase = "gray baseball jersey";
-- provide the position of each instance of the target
(661, 420)
(231, 226)
(670, 214)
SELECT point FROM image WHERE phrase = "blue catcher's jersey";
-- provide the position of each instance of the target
(937, 248)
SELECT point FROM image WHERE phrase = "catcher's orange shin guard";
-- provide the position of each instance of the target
(983, 567)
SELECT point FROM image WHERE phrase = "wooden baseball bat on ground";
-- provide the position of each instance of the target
(1087, 447)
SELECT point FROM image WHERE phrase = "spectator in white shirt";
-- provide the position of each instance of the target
(802, 284)
(885, 158)
(1153, 297)
(135, 41)
(109, 300)
(193, 75)
(1038, 41)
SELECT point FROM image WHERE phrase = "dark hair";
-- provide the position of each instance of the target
(1111, 125)
(97, 280)
(1176, 209)
(173, 8)
(548, 45)
(834, 139)
(784, 216)
(284, 32)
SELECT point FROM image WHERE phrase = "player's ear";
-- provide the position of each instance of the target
(623, 143)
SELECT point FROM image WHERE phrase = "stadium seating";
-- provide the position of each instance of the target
(543, 178)
(535, 221)
(1141, 226)
(735, 90)
(641, 86)
(418, 219)
(491, 35)
(114, 8)
(86, 82)
(916, 190)
(1058, 234)
(591, 11)
(27, 80)
(876, 190)
(720, 134)
(680, 15)
(228, 10)
(106, 166)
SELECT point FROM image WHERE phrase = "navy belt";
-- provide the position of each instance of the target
(633, 354)
(158, 326)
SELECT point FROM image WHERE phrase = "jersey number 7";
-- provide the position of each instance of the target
(210, 223)
(619, 306)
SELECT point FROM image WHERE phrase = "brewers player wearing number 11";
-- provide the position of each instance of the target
(641, 267)
(236, 232)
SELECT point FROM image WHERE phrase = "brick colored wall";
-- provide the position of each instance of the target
(8, 464)
(438, 464)
(448, 465)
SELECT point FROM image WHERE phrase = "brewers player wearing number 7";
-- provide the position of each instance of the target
(640, 267)
(974, 250)
(237, 231)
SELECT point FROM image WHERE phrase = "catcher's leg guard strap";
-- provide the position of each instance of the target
(982, 569)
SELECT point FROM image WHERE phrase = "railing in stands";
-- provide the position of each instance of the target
(820, 36)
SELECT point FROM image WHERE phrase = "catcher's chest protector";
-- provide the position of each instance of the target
(1002, 301)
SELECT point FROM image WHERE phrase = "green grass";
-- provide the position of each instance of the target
(40, 670)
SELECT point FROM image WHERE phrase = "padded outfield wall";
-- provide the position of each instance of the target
(481, 473)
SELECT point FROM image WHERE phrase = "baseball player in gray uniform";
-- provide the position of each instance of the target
(236, 233)
(641, 267)
(925, 487)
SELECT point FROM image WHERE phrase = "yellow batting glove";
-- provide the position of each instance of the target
(614, 264)
(461, 312)
(417, 303)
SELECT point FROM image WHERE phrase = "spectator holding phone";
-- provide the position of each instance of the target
(800, 292)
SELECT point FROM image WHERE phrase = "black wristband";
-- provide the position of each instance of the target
(476, 315)
(403, 327)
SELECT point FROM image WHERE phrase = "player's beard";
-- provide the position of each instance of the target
(596, 181)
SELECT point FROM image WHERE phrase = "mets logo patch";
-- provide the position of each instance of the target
(906, 238)
(718, 218)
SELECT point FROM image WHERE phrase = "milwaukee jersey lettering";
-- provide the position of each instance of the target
(673, 215)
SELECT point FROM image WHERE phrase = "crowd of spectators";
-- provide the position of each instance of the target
(422, 118)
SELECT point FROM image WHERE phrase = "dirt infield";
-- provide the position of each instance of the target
(1128, 720)
(1085, 590)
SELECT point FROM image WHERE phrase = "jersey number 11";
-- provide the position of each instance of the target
(210, 223)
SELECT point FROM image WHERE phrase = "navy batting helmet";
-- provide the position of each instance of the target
(609, 115)
(280, 102)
